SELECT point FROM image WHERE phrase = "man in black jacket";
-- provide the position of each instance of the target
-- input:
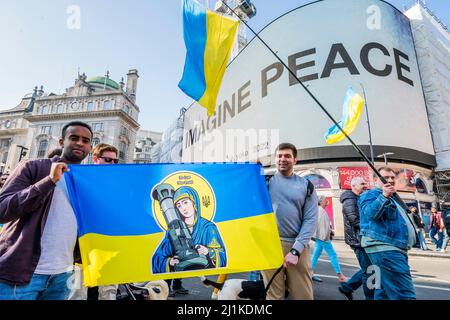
(420, 227)
(349, 200)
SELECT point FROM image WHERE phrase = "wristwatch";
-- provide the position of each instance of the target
(295, 252)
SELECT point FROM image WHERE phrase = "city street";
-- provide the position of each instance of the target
(153, 139)
(430, 274)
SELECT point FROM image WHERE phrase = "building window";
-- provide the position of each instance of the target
(5, 157)
(126, 108)
(42, 149)
(123, 131)
(46, 130)
(74, 106)
(60, 108)
(90, 106)
(43, 110)
(5, 143)
(122, 151)
(95, 142)
(107, 105)
(420, 186)
(97, 126)
(318, 181)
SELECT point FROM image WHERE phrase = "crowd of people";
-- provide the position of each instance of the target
(378, 228)
(39, 249)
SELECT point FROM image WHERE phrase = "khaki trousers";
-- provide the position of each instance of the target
(79, 291)
(296, 279)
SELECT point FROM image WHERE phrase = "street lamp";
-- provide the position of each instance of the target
(384, 156)
(23, 151)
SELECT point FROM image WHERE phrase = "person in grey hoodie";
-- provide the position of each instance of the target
(294, 201)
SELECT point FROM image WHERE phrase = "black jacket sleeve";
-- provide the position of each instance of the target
(351, 212)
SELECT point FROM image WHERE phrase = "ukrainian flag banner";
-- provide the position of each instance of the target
(351, 112)
(209, 38)
(161, 221)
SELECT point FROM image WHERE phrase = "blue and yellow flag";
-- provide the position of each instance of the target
(351, 112)
(209, 38)
(161, 221)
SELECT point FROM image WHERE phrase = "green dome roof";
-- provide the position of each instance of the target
(102, 81)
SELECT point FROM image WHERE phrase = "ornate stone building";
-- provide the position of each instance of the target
(36, 123)
(145, 141)
(13, 135)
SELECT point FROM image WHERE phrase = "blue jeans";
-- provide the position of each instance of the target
(423, 244)
(320, 245)
(395, 276)
(360, 277)
(255, 276)
(446, 239)
(41, 287)
(437, 242)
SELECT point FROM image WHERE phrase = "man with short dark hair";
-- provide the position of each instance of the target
(387, 233)
(294, 201)
(38, 243)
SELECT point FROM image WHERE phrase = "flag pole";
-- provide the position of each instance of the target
(368, 124)
(293, 74)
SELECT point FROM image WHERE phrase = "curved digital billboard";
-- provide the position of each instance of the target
(331, 45)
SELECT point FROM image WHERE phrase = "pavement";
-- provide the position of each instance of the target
(418, 252)
(430, 253)
(429, 271)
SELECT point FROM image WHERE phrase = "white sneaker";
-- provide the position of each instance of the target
(442, 250)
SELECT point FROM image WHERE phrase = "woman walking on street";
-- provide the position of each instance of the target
(436, 228)
(323, 237)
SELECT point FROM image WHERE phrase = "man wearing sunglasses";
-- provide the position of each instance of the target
(105, 154)
(387, 233)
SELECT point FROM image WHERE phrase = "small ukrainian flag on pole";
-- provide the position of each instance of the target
(351, 112)
(209, 38)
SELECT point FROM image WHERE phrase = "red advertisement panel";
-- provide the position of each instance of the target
(329, 210)
(405, 178)
(346, 175)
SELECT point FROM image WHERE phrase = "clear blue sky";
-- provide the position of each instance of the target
(38, 47)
